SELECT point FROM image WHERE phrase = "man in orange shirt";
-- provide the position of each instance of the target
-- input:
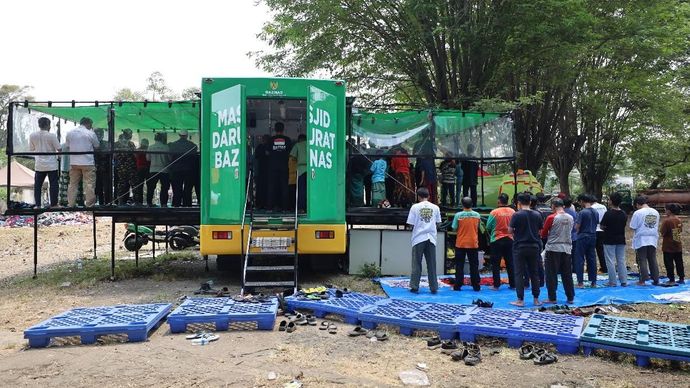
(467, 224)
(501, 241)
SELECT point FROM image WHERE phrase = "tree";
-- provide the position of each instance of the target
(155, 84)
(9, 93)
(127, 94)
(190, 93)
(564, 153)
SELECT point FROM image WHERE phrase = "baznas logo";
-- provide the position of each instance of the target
(274, 85)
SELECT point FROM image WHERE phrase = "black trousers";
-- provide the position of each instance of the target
(600, 252)
(142, 175)
(472, 190)
(151, 187)
(39, 178)
(472, 255)
(277, 198)
(526, 261)
(181, 183)
(502, 248)
(559, 263)
(671, 260)
(104, 192)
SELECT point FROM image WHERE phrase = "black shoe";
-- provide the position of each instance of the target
(414, 290)
(435, 341)
(449, 345)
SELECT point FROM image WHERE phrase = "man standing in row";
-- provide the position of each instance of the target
(181, 169)
(645, 223)
(46, 165)
(424, 217)
(559, 244)
(525, 225)
(82, 139)
(501, 241)
(467, 223)
(279, 151)
(586, 226)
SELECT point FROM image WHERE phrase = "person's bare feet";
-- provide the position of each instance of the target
(549, 301)
(518, 303)
(641, 283)
(580, 285)
(537, 302)
(570, 302)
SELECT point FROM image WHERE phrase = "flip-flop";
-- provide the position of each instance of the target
(282, 326)
(332, 328)
(527, 352)
(371, 334)
(196, 335)
(300, 320)
(545, 359)
(290, 327)
(357, 331)
(205, 338)
(311, 320)
(324, 325)
(381, 335)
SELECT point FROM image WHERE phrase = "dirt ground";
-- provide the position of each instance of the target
(244, 358)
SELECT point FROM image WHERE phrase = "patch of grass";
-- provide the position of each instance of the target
(369, 271)
(166, 267)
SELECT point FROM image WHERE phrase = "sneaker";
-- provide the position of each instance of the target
(474, 354)
(449, 345)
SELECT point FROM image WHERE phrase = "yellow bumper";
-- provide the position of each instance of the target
(307, 243)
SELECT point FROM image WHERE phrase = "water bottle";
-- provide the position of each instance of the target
(79, 264)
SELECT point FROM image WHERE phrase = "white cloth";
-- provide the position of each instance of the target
(82, 139)
(683, 296)
(423, 217)
(44, 141)
(601, 209)
(645, 223)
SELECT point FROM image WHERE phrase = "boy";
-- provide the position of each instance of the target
(423, 216)
(671, 246)
(558, 248)
(466, 223)
(378, 180)
(447, 168)
(645, 223)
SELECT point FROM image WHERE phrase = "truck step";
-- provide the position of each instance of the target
(270, 268)
(269, 284)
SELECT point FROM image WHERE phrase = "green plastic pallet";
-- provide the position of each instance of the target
(639, 334)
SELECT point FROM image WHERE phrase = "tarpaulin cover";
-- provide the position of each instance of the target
(436, 133)
(133, 115)
(399, 288)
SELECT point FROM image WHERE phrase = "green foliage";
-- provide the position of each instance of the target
(369, 271)
(9, 93)
(127, 94)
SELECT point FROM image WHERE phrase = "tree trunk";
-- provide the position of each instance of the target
(564, 181)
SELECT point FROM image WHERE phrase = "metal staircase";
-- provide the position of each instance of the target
(270, 254)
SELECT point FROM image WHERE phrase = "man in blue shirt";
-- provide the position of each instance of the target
(378, 181)
(586, 226)
(525, 225)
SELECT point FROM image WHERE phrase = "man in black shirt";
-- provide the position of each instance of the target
(261, 169)
(279, 151)
(469, 180)
(525, 225)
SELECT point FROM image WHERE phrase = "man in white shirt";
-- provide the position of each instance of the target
(601, 210)
(423, 216)
(645, 223)
(46, 165)
(82, 139)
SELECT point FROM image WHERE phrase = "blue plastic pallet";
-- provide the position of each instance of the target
(640, 335)
(348, 306)
(518, 327)
(91, 322)
(222, 312)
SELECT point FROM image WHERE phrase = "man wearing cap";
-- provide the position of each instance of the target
(182, 169)
(82, 139)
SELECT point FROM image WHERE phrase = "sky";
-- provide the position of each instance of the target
(88, 49)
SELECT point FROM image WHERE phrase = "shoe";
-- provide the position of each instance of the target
(449, 345)
(414, 290)
(433, 342)
(457, 288)
(458, 355)
(474, 354)
(527, 352)
(434, 292)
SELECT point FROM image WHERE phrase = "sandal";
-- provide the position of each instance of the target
(205, 338)
(381, 335)
(324, 325)
(282, 326)
(545, 359)
(300, 320)
(527, 352)
(357, 331)
(290, 327)
(474, 354)
(332, 328)
(196, 335)
(311, 320)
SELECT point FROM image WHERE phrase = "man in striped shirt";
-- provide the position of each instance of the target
(467, 224)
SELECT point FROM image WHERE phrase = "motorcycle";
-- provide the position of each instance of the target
(177, 237)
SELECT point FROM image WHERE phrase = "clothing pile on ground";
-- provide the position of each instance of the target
(46, 219)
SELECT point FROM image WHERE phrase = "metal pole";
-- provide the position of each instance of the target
(154, 241)
(112, 248)
(481, 159)
(95, 256)
(136, 245)
(206, 259)
(166, 239)
(35, 244)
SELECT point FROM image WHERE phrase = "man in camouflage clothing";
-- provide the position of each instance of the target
(125, 166)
